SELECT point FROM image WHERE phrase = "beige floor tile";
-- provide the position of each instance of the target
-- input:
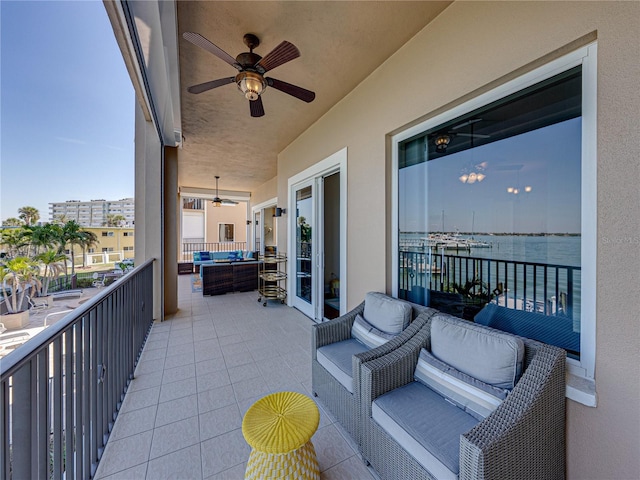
(250, 388)
(134, 473)
(216, 398)
(148, 380)
(212, 380)
(234, 473)
(223, 452)
(331, 447)
(179, 373)
(352, 468)
(175, 410)
(172, 361)
(217, 422)
(243, 372)
(175, 436)
(140, 399)
(174, 390)
(209, 366)
(179, 465)
(134, 422)
(123, 454)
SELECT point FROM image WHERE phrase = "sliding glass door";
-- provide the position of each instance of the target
(305, 285)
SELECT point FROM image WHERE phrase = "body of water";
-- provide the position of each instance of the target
(557, 250)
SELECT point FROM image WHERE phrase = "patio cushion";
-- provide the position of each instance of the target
(426, 425)
(336, 359)
(196, 256)
(368, 334)
(386, 313)
(488, 355)
(204, 256)
(475, 397)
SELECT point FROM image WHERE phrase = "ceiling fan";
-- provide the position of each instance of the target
(252, 67)
(442, 140)
(217, 201)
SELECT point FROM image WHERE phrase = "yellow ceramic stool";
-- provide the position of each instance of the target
(279, 428)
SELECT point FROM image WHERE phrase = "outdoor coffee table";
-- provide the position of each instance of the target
(279, 428)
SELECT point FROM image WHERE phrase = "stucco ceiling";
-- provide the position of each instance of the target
(341, 43)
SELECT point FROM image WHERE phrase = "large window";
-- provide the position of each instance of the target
(495, 209)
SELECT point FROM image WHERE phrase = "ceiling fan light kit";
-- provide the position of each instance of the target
(250, 84)
(252, 67)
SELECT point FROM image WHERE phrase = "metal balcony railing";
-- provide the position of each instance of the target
(549, 289)
(186, 255)
(62, 390)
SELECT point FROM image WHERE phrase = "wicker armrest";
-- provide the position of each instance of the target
(357, 360)
(335, 330)
(383, 374)
(525, 435)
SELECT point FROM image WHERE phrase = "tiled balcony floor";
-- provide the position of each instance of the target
(199, 373)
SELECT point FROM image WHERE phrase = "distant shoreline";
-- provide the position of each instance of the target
(499, 234)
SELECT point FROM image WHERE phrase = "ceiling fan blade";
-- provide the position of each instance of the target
(283, 53)
(293, 90)
(256, 107)
(226, 201)
(468, 122)
(202, 42)
(473, 135)
(203, 87)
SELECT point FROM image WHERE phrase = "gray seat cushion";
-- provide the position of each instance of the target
(387, 313)
(426, 425)
(336, 359)
(483, 353)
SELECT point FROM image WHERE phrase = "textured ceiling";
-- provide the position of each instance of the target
(340, 42)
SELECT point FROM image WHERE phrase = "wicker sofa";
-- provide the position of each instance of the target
(344, 401)
(407, 429)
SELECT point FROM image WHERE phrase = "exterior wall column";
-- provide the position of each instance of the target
(170, 229)
(149, 203)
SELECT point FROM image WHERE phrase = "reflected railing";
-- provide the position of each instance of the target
(62, 389)
(549, 289)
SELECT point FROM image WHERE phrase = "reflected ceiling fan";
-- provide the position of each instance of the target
(442, 140)
(217, 201)
(252, 67)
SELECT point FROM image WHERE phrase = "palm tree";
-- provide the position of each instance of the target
(88, 240)
(16, 240)
(71, 234)
(53, 262)
(19, 273)
(43, 236)
(30, 215)
(114, 220)
(60, 219)
(12, 222)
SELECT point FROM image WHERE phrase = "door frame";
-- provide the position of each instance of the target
(335, 163)
(273, 202)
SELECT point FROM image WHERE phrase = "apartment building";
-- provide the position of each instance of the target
(94, 213)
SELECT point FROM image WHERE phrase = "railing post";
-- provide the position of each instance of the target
(22, 423)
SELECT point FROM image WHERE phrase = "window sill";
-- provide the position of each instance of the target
(581, 390)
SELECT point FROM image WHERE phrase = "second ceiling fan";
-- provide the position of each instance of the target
(252, 67)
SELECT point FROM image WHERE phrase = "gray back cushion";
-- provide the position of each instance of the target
(386, 313)
(490, 356)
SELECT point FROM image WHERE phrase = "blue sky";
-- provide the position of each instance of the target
(548, 160)
(67, 107)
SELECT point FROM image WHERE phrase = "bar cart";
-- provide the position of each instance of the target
(272, 276)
